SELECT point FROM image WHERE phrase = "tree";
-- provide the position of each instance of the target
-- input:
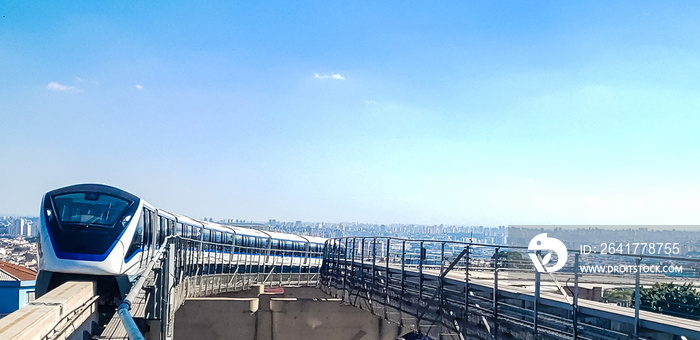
(511, 259)
(672, 299)
(624, 295)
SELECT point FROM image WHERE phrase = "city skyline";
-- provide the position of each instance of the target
(427, 113)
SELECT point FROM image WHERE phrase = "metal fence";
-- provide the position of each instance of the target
(185, 268)
(457, 290)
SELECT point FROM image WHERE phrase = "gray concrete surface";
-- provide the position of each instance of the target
(294, 314)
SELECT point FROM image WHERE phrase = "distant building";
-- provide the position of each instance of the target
(16, 287)
(17, 227)
(22, 227)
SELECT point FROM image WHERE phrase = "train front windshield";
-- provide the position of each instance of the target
(87, 222)
(89, 208)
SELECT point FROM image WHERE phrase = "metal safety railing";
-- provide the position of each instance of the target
(184, 268)
(449, 289)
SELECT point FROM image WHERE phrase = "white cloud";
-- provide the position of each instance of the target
(370, 102)
(55, 86)
(326, 76)
(139, 87)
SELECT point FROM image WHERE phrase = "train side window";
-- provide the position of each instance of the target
(206, 235)
(163, 229)
(218, 237)
(239, 240)
(196, 233)
(156, 231)
(135, 240)
(178, 229)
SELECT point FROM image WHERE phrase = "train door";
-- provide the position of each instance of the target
(306, 252)
(157, 226)
(268, 246)
(148, 234)
(162, 229)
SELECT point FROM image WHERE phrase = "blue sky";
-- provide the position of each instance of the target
(475, 113)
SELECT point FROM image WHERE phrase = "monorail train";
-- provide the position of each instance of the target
(101, 233)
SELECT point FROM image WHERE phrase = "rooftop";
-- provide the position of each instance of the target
(18, 272)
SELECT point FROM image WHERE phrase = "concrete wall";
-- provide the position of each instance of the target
(309, 315)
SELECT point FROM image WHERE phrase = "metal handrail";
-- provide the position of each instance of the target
(124, 309)
(350, 267)
(573, 251)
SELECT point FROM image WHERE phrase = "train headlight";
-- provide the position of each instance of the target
(49, 215)
(126, 220)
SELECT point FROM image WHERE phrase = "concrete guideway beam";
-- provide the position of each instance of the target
(66, 310)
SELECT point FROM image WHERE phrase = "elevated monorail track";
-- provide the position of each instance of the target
(183, 268)
(467, 294)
